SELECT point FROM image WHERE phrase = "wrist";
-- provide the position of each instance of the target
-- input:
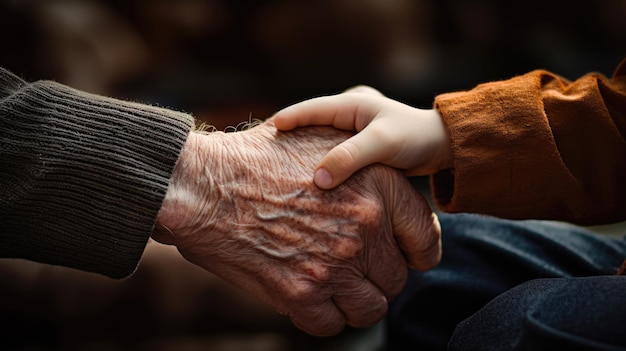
(191, 181)
(444, 155)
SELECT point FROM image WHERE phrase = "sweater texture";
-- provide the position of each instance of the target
(82, 176)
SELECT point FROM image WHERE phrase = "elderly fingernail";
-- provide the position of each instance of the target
(323, 179)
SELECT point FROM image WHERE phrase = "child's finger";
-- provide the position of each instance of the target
(340, 111)
(363, 89)
(326, 110)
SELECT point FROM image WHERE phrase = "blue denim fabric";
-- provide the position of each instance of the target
(509, 285)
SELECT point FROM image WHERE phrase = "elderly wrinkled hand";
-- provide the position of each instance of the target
(244, 206)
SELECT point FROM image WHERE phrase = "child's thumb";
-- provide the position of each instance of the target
(344, 160)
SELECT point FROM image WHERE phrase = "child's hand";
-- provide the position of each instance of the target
(391, 133)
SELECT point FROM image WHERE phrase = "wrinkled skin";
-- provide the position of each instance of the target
(244, 206)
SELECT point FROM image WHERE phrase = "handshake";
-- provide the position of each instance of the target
(90, 174)
(244, 207)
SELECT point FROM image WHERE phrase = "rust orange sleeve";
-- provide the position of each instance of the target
(537, 146)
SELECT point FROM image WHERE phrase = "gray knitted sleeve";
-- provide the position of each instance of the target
(82, 176)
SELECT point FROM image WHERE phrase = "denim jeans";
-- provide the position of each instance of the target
(514, 285)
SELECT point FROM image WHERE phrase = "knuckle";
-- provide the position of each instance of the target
(345, 155)
(298, 294)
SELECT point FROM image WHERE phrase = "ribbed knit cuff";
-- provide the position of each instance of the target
(83, 176)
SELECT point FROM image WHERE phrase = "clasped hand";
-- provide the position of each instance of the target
(244, 206)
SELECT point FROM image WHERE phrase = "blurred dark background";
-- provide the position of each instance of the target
(225, 61)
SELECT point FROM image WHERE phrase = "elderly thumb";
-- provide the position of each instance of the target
(417, 230)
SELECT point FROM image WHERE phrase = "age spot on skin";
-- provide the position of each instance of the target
(315, 270)
(348, 247)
